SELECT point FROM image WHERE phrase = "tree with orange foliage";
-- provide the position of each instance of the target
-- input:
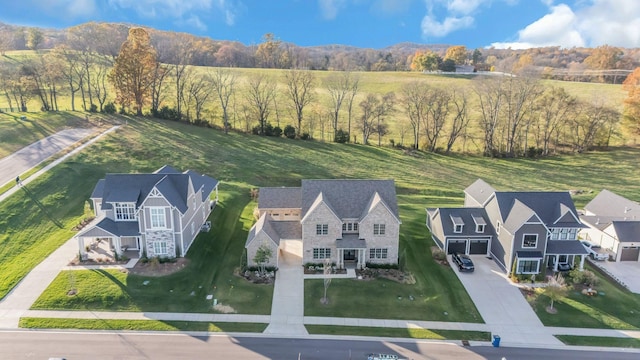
(632, 103)
(425, 61)
(133, 71)
(458, 54)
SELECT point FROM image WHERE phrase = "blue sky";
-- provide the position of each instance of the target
(362, 23)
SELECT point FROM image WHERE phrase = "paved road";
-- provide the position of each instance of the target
(17, 345)
(30, 156)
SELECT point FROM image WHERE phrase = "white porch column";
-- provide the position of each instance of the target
(555, 263)
(340, 257)
(83, 252)
(117, 246)
(361, 257)
(581, 262)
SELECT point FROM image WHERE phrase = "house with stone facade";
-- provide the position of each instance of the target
(522, 231)
(349, 222)
(157, 215)
(613, 222)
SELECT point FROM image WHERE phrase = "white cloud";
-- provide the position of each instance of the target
(329, 8)
(186, 11)
(459, 14)
(590, 23)
(70, 9)
(432, 27)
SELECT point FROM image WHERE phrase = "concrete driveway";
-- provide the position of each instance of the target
(502, 305)
(625, 271)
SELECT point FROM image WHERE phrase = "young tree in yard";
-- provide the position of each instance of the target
(133, 72)
(300, 88)
(224, 84)
(555, 290)
(259, 94)
(262, 257)
(327, 280)
(632, 103)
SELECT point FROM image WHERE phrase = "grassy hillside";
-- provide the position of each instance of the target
(244, 161)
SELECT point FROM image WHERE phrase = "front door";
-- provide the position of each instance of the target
(349, 255)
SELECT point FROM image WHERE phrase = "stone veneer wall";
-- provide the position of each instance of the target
(160, 235)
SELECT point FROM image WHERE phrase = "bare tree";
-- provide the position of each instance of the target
(158, 86)
(594, 124)
(556, 107)
(300, 88)
(520, 94)
(368, 106)
(460, 119)
(199, 90)
(491, 98)
(224, 84)
(99, 82)
(437, 112)
(353, 91)
(259, 95)
(415, 103)
(338, 86)
(382, 110)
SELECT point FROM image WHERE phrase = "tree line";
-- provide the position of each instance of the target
(512, 116)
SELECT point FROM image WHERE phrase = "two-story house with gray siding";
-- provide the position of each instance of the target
(157, 214)
(349, 222)
(526, 231)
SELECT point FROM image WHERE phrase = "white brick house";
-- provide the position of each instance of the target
(159, 214)
(350, 222)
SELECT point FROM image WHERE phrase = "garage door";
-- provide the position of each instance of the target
(459, 246)
(478, 247)
(630, 254)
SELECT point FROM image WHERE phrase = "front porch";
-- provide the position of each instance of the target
(351, 252)
(562, 254)
(102, 251)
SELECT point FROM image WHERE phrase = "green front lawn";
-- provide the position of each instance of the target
(400, 333)
(213, 258)
(603, 341)
(616, 309)
(140, 325)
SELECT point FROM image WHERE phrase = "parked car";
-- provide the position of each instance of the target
(463, 261)
(595, 251)
(564, 267)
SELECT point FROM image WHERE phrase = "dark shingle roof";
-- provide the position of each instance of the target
(351, 242)
(279, 198)
(349, 198)
(627, 231)
(117, 228)
(547, 205)
(528, 254)
(565, 247)
(607, 203)
(134, 188)
(466, 215)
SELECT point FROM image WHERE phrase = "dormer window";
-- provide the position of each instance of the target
(458, 224)
(457, 228)
(125, 211)
(480, 223)
(480, 228)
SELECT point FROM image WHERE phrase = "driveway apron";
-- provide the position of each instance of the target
(503, 307)
(287, 308)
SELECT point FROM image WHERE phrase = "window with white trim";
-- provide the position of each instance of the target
(125, 211)
(527, 266)
(322, 229)
(379, 229)
(564, 234)
(158, 218)
(457, 228)
(377, 253)
(498, 227)
(350, 227)
(480, 228)
(160, 248)
(321, 253)
(529, 240)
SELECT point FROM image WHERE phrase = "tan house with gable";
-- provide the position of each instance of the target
(350, 222)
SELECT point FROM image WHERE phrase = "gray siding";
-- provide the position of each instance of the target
(538, 229)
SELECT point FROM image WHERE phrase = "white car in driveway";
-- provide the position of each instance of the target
(595, 251)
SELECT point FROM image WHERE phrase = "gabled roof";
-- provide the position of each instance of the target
(134, 188)
(349, 198)
(280, 198)
(519, 214)
(110, 227)
(480, 191)
(320, 199)
(565, 247)
(548, 206)
(376, 200)
(466, 216)
(609, 204)
(627, 231)
(275, 230)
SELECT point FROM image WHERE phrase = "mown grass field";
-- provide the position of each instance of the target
(140, 325)
(244, 161)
